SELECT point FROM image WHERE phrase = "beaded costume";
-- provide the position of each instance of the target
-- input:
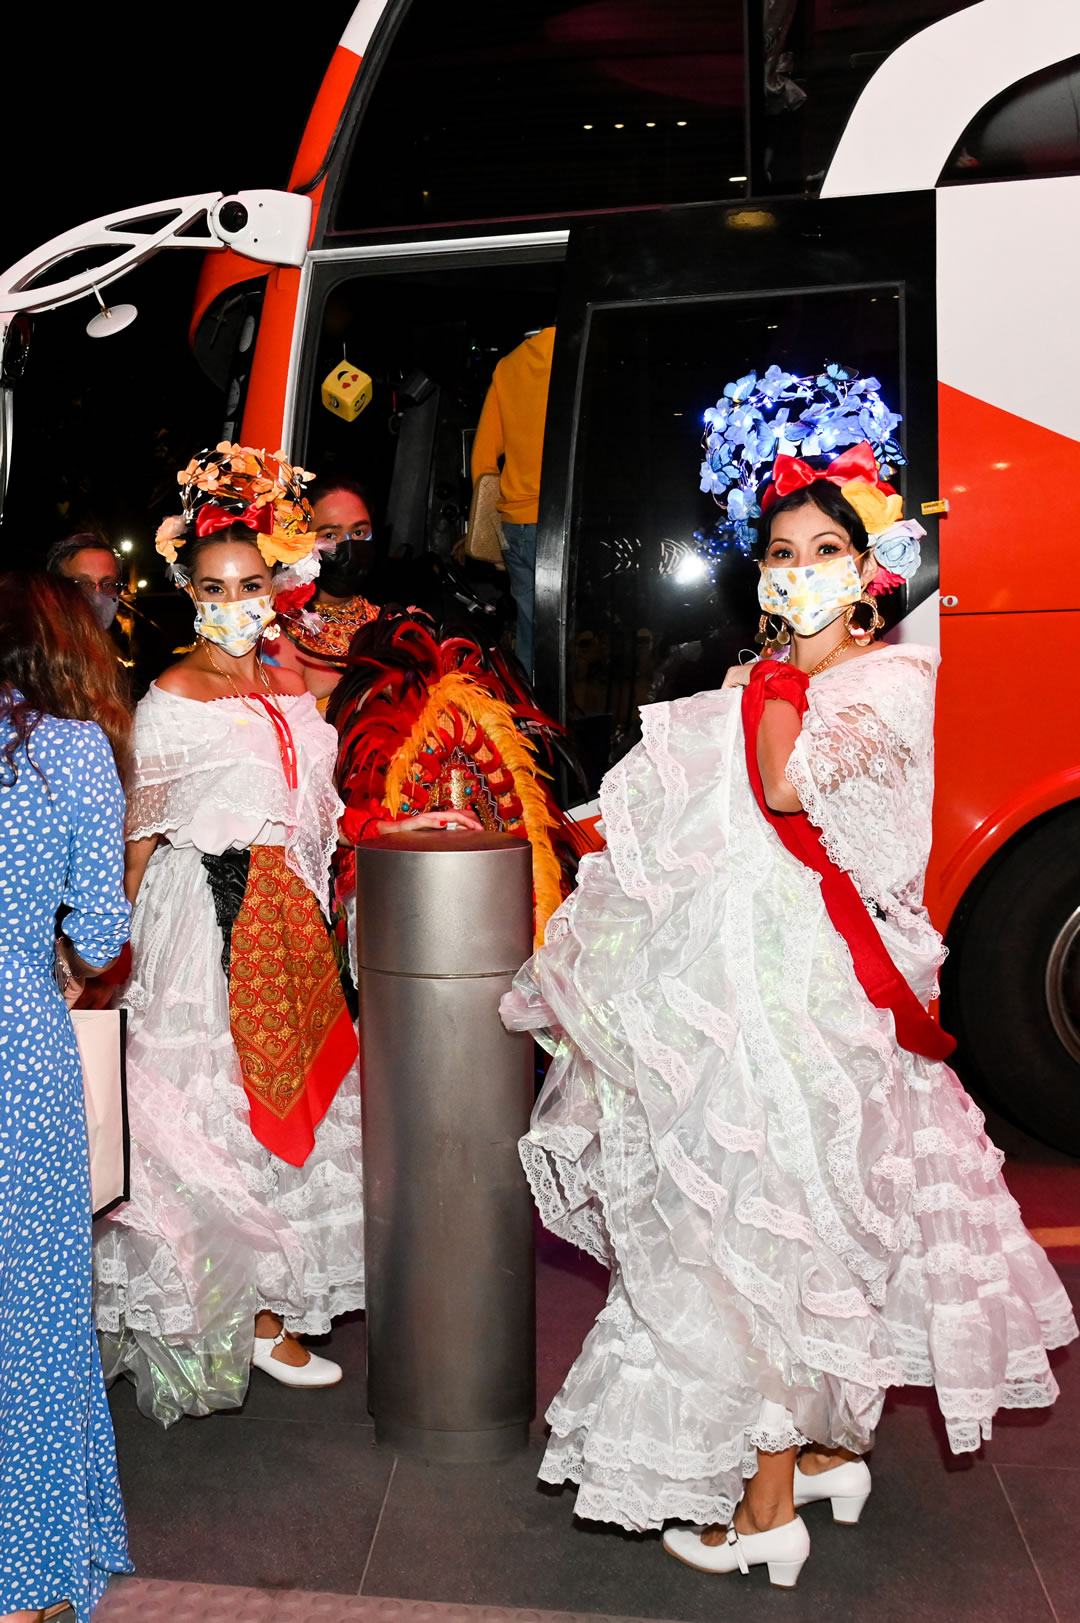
(326, 630)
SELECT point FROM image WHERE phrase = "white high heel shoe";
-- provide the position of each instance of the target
(847, 1485)
(782, 1549)
(316, 1372)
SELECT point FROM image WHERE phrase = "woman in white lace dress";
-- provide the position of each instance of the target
(245, 1223)
(746, 1114)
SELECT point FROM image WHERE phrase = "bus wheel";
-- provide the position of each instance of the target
(1011, 987)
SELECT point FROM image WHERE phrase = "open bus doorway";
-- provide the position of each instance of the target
(662, 311)
(663, 599)
(428, 332)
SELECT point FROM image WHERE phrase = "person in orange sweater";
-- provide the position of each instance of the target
(509, 441)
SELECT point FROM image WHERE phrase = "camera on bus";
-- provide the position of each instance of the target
(272, 227)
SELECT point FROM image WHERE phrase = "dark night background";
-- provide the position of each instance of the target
(114, 108)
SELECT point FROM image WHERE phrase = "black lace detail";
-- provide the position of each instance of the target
(337, 928)
(228, 876)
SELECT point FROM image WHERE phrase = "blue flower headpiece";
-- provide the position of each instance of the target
(757, 419)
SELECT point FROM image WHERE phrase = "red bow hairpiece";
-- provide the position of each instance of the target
(792, 473)
(211, 518)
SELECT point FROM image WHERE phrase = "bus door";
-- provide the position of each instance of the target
(423, 325)
(659, 310)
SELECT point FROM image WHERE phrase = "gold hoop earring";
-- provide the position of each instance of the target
(770, 640)
(858, 632)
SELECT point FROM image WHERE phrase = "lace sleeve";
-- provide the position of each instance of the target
(863, 768)
(212, 774)
(178, 753)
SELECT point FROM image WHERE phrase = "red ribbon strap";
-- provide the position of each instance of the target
(210, 519)
(792, 473)
(877, 974)
(283, 733)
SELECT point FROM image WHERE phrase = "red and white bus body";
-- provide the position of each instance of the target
(982, 277)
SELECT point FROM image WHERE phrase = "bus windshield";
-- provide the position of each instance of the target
(491, 111)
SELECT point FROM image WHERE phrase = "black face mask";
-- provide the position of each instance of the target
(345, 570)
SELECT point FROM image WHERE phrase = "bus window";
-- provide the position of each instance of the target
(810, 60)
(647, 621)
(490, 111)
(428, 334)
(1033, 128)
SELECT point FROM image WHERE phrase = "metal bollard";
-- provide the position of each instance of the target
(443, 923)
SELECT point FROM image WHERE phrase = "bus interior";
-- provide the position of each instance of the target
(648, 617)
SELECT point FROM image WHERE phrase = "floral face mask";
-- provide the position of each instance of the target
(235, 628)
(810, 599)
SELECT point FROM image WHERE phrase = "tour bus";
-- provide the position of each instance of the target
(690, 190)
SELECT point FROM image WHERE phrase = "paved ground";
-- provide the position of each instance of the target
(149, 1600)
(290, 1501)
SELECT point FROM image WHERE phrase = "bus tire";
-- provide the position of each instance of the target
(1011, 986)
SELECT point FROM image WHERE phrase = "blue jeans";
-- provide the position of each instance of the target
(520, 560)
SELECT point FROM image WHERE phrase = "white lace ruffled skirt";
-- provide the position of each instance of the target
(217, 1227)
(798, 1214)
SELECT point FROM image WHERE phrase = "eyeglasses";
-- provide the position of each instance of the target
(112, 588)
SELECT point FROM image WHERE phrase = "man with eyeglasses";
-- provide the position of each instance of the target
(94, 567)
(318, 630)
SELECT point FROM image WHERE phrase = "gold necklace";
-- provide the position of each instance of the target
(272, 713)
(233, 683)
(830, 659)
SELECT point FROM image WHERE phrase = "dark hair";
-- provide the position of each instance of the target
(328, 484)
(62, 552)
(187, 555)
(55, 660)
(825, 495)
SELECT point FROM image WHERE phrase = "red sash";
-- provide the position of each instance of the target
(877, 974)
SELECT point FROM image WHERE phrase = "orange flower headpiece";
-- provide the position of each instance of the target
(233, 484)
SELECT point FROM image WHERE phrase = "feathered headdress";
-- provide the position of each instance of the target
(234, 484)
(429, 725)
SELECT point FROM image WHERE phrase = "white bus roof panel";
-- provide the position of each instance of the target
(923, 97)
(361, 25)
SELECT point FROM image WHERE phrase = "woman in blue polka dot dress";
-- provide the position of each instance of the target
(62, 1528)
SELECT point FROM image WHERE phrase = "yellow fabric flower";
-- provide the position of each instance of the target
(282, 548)
(877, 511)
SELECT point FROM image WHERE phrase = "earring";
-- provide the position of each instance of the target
(772, 640)
(863, 633)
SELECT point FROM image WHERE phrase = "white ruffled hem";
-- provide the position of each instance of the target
(217, 1227)
(797, 1210)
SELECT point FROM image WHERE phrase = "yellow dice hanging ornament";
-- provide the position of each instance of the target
(346, 391)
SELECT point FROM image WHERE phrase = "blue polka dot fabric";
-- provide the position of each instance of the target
(62, 1528)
